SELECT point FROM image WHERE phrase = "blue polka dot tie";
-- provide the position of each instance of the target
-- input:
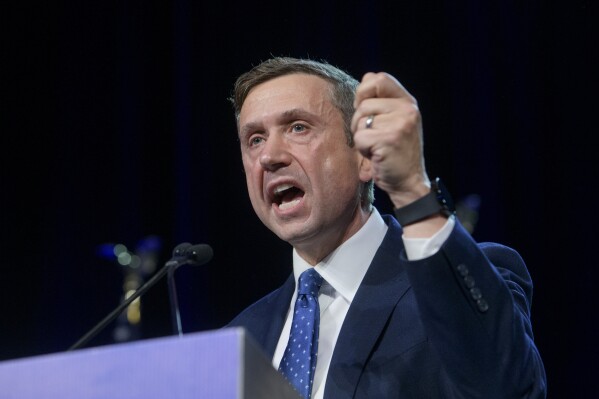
(299, 360)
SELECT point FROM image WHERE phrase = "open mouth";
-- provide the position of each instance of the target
(287, 196)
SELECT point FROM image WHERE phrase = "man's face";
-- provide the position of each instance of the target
(303, 178)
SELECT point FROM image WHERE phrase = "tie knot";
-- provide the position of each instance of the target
(309, 282)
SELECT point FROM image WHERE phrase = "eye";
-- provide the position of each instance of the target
(256, 140)
(298, 128)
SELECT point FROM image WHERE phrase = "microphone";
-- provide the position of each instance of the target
(192, 254)
(184, 253)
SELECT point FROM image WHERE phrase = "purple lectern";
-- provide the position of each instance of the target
(217, 364)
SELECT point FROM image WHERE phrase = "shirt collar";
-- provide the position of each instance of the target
(345, 267)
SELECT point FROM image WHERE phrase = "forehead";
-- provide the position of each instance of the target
(309, 92)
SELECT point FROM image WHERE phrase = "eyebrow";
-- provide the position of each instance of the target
(296, 113)
(249, 127)
(284, 117)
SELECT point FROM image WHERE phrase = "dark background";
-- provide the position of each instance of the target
(116, 127)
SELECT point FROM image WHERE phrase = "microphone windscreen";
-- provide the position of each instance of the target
(199, 254)
(180, 250)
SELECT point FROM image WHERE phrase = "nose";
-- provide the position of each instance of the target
(275, 153)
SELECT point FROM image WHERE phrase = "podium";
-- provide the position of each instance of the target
(216, 364)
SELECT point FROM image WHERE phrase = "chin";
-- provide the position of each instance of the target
(289, 233)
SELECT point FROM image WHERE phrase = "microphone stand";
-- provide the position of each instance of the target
(172, 293)
(170, 265)
(183, 254)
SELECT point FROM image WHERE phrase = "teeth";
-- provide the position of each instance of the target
(290, 204)
(284, 201)
(282, 187)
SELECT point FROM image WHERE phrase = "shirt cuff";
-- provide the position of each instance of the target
(420, 248)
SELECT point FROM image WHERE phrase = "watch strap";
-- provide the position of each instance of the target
(422, 208)
(438, 200)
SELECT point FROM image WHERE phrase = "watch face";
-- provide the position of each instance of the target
(443, 195)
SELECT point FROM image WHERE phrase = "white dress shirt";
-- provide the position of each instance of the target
(343, 271)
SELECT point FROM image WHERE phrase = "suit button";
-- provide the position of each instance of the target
(462, 269)
(483, 306)
(469, 280)
(475, 293)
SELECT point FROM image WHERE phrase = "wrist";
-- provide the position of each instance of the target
(437, 202)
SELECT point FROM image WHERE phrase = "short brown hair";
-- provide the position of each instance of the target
(343, 90)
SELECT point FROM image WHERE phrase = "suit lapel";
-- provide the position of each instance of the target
(277, 312)
(383, 286)
(264, 320)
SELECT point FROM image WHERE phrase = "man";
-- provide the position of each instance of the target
(412, 311)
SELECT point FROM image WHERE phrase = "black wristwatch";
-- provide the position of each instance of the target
(438, 201)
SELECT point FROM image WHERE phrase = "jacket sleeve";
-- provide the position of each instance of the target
(475, 302)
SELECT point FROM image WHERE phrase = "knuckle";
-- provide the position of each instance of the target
(368, 75)
(380, 78)
(414, 112)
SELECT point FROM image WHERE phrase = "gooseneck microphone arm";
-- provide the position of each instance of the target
(174, 302)
(184, 253)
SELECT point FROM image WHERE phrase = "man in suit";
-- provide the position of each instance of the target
(410, 310)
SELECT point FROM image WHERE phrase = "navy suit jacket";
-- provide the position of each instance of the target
(453, 325)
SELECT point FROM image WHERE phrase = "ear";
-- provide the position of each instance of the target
(365, 169)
